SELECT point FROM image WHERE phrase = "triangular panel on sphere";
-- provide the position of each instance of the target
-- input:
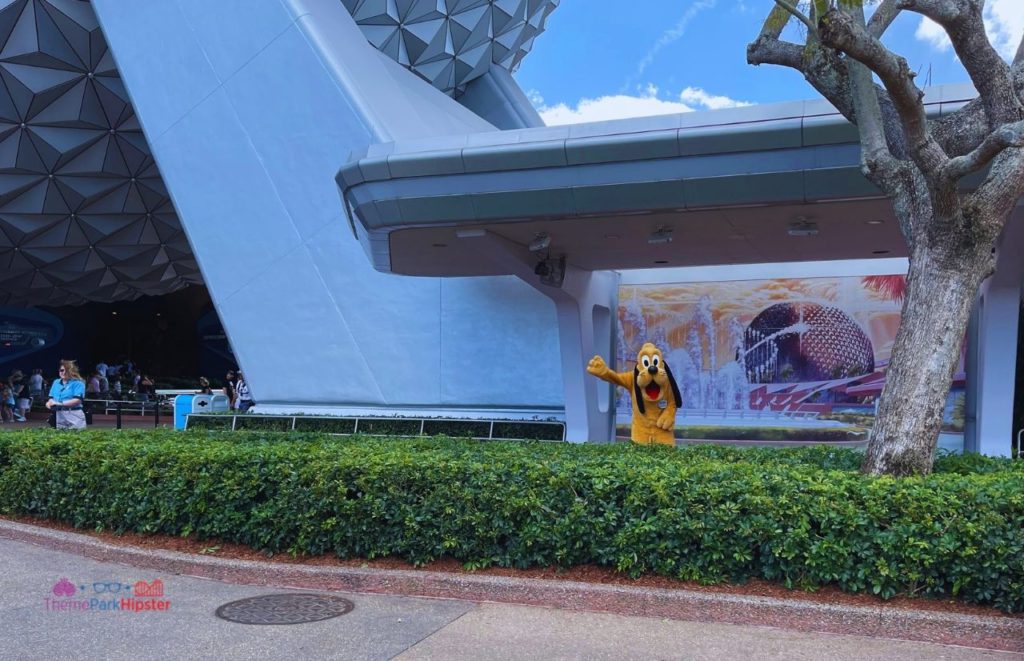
(22, 38)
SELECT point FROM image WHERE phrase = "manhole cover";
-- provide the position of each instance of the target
(284, 609)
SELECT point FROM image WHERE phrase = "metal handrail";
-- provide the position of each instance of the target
(156, 403)
(129, 404)
(355, 420)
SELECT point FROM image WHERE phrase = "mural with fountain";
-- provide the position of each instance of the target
(705, 385)
(792, 353)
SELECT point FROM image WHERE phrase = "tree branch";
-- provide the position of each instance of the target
(875, 155)
(910, 200)
(883, 17)
(797, 13)
(964, 129)
(776, 22)
(838, 30)
(963, 21)
(771, 51)
(937, 10)
(990, 205)
(1008, 135)
(825, 71)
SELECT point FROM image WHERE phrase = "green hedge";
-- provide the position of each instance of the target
(392, 426)
(262, 423)
(803, 517)
(724, 433)
(816, 435)
(326, 425)
(208, 421)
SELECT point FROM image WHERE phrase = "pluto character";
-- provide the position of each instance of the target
(654, 410)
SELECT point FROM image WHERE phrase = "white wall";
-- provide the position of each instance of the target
(251, 106)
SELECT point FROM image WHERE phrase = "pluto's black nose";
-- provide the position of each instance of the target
(652, 370)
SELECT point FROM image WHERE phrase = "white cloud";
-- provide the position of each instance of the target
(620, 106)
(615, 106)
(932, 33)
(697, 96)
(1004, 24)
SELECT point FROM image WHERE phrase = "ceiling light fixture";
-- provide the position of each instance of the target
(874, 222)
(660, 236)
(802, 226)
(540, 242)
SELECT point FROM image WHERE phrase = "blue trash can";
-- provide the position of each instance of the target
(182, 407)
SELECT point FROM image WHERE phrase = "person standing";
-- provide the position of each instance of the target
(245, 400)
(204, 386)
(92, 388)
(66, 395)
(35, 385)
(6, 403)
(229, 389)
(145, 391)
(16, 382)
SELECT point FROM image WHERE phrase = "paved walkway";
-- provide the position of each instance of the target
(379, 627)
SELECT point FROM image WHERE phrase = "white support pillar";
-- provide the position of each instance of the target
(995, 373)
(586, 307)
(586, 328)
(992, 368)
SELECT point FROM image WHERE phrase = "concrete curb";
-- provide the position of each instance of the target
(997, 633)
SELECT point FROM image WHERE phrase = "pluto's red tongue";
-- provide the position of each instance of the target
(652, 390)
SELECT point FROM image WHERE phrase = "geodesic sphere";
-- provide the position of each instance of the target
(449, 43)
(814, 343)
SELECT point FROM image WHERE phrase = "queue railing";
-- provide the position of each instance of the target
(121, 407)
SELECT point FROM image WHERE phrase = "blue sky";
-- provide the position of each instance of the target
(601, 59)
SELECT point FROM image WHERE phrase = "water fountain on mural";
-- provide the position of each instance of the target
(703, 384)
(633, 315)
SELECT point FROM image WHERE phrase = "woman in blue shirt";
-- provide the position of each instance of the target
(66, 395)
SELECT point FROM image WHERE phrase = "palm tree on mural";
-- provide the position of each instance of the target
(890, 287)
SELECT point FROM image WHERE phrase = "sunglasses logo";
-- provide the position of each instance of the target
(113, 586)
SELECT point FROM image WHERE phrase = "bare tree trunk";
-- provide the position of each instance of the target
(941, 290)
(920, 163)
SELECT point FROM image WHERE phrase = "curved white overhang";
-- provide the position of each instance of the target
(729, 184)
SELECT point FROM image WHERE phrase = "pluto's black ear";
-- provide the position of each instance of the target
(636, 389)
(675, 388)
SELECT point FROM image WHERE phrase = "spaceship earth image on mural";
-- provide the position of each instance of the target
(804, 341)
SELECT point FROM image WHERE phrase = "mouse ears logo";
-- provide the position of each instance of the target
(64, 588)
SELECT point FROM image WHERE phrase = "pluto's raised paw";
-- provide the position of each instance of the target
(597, 366)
